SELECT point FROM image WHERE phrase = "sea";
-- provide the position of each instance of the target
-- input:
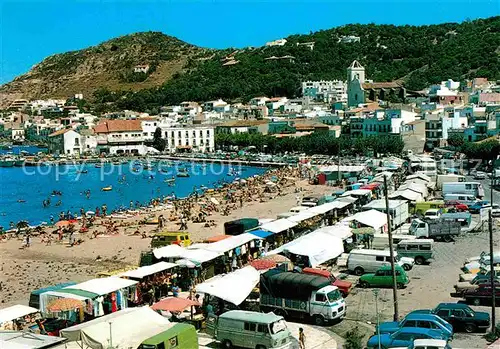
(24, 189)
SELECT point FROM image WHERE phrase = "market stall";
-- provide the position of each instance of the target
(13, 317)
(315, 248)
(278, 226)
(124, 329)
(232, 287)
(371, 218)
(149, 270)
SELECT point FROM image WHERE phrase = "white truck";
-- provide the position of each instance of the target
(435, 229)
(448, 178)
(300, 295)
(470, 188)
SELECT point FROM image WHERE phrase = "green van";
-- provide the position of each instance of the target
(383, 277)
(421, 250)
(179, 336)
(249, 329)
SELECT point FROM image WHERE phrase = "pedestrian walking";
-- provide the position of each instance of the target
(302, 339)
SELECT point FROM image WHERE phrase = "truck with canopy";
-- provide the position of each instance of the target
(301, 295)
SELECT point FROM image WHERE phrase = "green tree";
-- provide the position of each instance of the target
(159, 143)
(456, 140)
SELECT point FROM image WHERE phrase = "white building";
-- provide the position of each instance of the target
(120, 137)
(142, 68)
(279, 42)
(218, 106)
(439, 123)
(66, 141)
(18, 134)
(258, 101)
(347, 39)
(190, 109)
(196, 138)
(326, 90)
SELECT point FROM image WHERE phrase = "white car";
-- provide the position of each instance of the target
(432, 213)
(495, 210)
(480, 175)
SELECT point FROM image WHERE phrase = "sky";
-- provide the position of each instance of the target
(32, 30)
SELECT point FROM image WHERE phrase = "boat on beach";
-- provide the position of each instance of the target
(7, 162)
(107, 188)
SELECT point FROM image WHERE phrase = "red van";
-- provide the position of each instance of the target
(343, 286)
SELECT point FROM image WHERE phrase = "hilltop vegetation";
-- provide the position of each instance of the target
(417, 56)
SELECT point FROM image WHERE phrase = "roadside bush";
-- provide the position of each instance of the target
(353, 339)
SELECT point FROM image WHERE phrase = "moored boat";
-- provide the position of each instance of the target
(7, 162)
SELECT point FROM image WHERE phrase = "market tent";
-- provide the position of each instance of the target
(198, 256)
(102, 286)
(345, 201)
(174, 304)
(278, 225)
(233, 287)
(407, 194)
(302, 216)
(419, 176)
(371, 218)
(357, 192)
(15, 312)
(322, 209)
(128, 329)
(260, 233)
(142, 272)
(416, 187)
(27, 340)
(230, 243)
(170, 251)
(338, 230)
(319, 247)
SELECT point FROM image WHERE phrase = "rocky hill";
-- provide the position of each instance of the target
(415, 55)
(108, 65)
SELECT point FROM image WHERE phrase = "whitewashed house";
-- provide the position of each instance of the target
(65, 141)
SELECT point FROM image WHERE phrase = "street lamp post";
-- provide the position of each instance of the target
(376, 292)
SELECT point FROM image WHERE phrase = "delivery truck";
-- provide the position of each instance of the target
(302, 296)
(435, 229)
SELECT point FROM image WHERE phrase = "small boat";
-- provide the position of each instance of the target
(98, 166)
(82, 171)
(7, 162)
(182, 174)
(107, 188)
(19, 162)
(169, 180)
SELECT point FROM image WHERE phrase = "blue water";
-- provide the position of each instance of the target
(35, 184)
(16, 149)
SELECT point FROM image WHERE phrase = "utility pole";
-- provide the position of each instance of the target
(376, 292)
(492, 276)
(338, 163)
(391, 251)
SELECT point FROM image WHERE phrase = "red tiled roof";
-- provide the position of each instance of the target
(489, 97)
(390, 84)
(60, 132)
(108, 126)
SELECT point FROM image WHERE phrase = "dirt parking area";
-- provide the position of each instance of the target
(430, 284)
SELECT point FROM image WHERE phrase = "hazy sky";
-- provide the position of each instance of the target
(33, 30)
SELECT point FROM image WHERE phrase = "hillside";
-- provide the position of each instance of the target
(416, 55)
(107, 65)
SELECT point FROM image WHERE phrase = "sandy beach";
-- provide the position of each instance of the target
(40, 265)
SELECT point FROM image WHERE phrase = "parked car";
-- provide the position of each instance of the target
(432, 213)
(421, 320)
(457, 206)
(383, 277)
(362, 261)
(480, 175)
(343, 285)
(465, 286)
(495, 210)
(476, 208)
(460, 316)
(421, 250)
(482, 294)
(429, 344)
(403, 338)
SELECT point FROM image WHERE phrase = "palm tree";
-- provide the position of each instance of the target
(21, 225)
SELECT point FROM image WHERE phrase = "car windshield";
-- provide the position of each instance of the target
(469, 312)
(334, 296)
(278, 326)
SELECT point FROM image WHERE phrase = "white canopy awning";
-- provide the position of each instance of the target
(102, 286)
(357, 192)
(322, 209)
(407, 194)
(338, 230)
(198, 256)
(15, 312)
(233, 287)
(416, 187)
(142, 272)
(128, 329)
(319, 247)
(170, 251)
(419, 175)
(371, 218)
(302, 216)
(348, 199)
(230, 243)
(278, 225)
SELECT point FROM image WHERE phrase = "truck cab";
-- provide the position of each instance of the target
(327, 304)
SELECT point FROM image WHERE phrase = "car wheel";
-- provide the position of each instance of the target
(447, 238)
(400, 285)
(359, 271)
(419, 260)
(227, 344)
(470, 328)
(260, 347)
(406, 267)
(364, 284)
(318, 320)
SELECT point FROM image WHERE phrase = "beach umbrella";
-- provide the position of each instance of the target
(63, 223)
(64, 304)
(90, 213)
(174, 304)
